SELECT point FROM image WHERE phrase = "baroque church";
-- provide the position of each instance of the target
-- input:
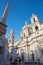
(30, 45)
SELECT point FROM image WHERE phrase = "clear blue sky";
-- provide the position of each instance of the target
(19, 12)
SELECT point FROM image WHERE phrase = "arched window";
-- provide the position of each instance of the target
(29, 31)
(36, 27)
(34, 19)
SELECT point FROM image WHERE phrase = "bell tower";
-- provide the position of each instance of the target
(35, 23)
(11, 41)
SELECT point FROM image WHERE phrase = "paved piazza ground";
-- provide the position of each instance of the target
(31, 63)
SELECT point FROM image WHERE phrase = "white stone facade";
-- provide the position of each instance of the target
(30, 45)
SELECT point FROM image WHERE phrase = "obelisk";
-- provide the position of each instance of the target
(3, 20)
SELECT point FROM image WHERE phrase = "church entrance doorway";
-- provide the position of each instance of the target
(33, 56)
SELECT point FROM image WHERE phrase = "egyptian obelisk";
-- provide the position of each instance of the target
(3, 20)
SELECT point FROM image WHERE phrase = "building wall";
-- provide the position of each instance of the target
(30, 45)
(34, 46)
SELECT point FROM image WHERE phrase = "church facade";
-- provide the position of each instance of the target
(30, 45)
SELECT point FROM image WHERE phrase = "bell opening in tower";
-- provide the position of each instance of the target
(34, 19)
(36, 27)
